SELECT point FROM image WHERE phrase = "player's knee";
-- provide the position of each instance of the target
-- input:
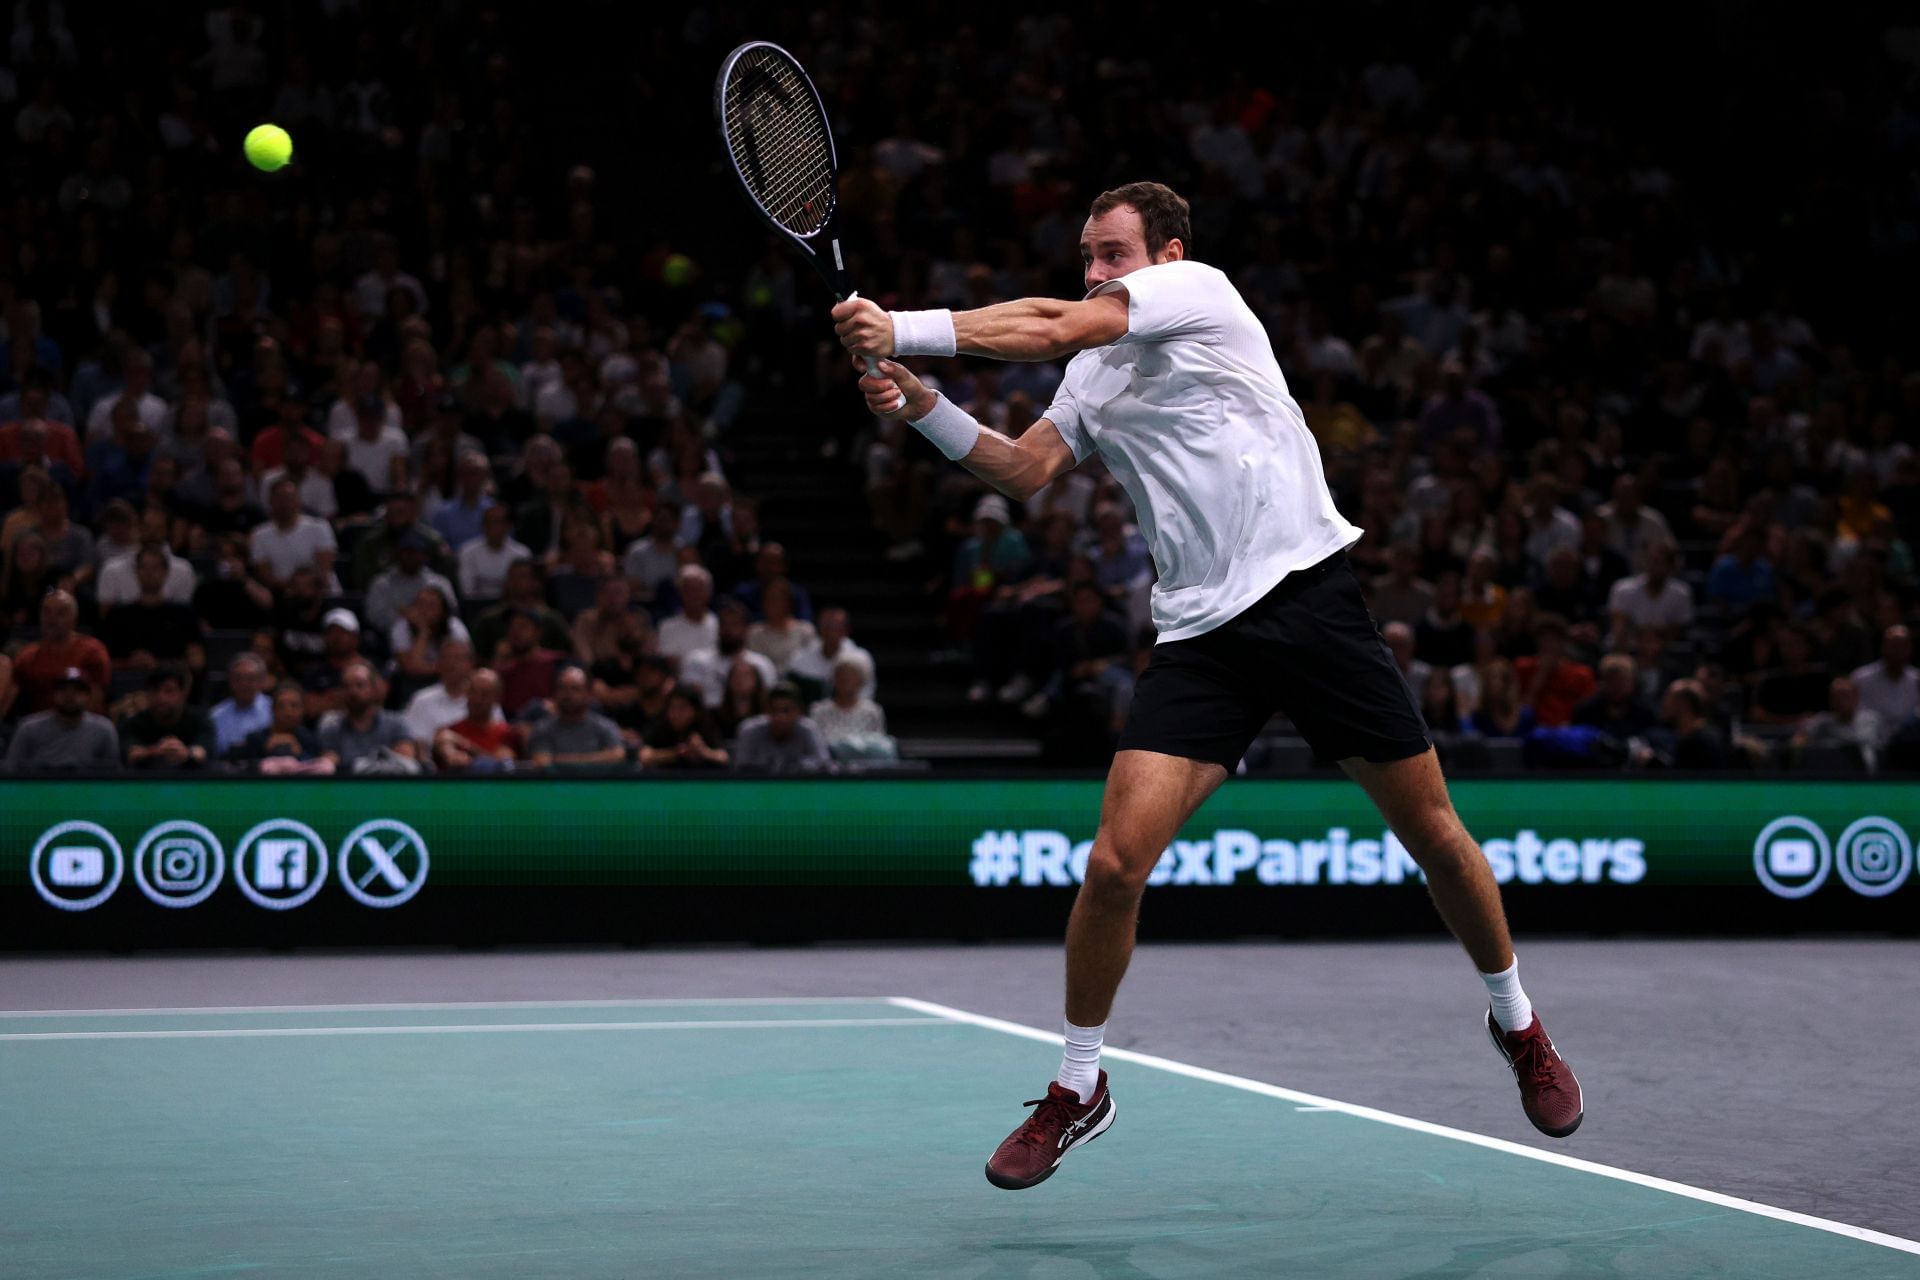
(1115, 877)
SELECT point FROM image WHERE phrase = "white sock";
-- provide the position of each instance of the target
(1080, 1067)
(1511, 1008)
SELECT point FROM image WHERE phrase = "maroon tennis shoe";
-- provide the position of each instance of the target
(1059, 1123)
(1548, 1091)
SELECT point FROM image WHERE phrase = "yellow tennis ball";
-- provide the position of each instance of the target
(269, 147)
(678, 270)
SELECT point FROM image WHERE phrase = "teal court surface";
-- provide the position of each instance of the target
(777, 1137)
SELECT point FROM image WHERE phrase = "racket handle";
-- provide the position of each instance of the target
(873, 366)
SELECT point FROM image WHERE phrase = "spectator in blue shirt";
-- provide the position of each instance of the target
(458, 519)
(247, 710)
(117, 466)
(1743, 576)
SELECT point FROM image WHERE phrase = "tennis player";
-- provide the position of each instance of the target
(1175, 386)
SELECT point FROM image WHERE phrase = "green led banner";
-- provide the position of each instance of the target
(144, 848)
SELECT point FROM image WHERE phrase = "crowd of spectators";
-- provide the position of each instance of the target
(416, 455)
(357, 468)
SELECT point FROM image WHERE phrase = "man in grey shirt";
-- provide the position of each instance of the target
(69, 736)
(782, 740)
(359, 731)
(576, 734)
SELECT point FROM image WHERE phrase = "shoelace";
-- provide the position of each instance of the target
(1051, 1114)
(1534, 1065)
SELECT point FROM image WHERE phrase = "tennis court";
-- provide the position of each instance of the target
(776, 1136)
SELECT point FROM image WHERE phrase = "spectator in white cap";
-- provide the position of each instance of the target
(340, 630)
(995, 556)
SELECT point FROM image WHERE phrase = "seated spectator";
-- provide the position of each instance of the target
(397, 588)
(1630, 526)
(151, 628)
(1551, 682)
(1890, 688)
(1399, 638)
(246, 709)
(1845, 723)
(1617, 708)
(362, 731)
(1088, 646)
(1600, 565)
(1443, 637)
(812, 666)
(995, 553)
(1565, 589)
(783, 740)
(597, 632)
(1549, 526)
(117, 584)
(521, 593)
(69, 546)
(1399, 594)
(1501, 711)
(769, 567)
(299, 623)
(1742, 576)
(780, 634)
(707, 669)
(292, 539)
(576, 576)
(655, 559)
(28, 578)
(167, 734)
(438, 705)
(227, 506)
(136, 393)
(269, 450)
(482, 740)
(311, 483)
(324, 677)
(231, 598)
(378, 546)
(1483, 601)
(575, 734)
(1695, 742)
(684, 736)
(483, 562)
(852, 724)
(67, 735)
(117, 464)
(1653, 598)
(286, 744)
(375, 445)
(695, 626)
(59, 650)
(527, 670)
(1440, 702)
(743, 696)
(461, 518)
(1795, 689)
(632, 687)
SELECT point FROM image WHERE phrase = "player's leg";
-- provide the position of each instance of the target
(1411, 795)
(1149, 798)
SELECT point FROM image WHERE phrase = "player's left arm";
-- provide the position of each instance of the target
(1030, 329)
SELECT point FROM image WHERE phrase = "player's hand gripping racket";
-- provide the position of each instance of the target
(777, 137)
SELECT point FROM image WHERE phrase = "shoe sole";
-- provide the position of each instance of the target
(1551, 1133)
(1005, 1183)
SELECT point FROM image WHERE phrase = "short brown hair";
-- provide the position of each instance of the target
(1163, 212)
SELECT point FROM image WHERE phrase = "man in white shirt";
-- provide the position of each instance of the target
(1652, 599)
(291, 539)
(1176, 387)
(1632, 526)
(150, 408)
(694, 627)
(117, 583)
(483, 563)
(315, 489)
(373, 443)
(834, 645)
(438, 705)
(1890, 688)
(707, 669)
(397, 586)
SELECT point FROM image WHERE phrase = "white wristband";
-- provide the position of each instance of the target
(922, 333)
(951, 428)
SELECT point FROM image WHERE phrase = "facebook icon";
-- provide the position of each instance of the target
(280, 864)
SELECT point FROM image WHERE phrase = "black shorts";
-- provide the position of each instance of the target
(1309, 650)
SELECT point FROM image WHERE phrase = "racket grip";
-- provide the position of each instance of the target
(873, 366)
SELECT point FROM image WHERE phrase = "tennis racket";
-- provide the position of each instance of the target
(778, 140)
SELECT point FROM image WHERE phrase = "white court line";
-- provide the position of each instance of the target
(441, 1004)
(213, 1033)
(1427, 1127)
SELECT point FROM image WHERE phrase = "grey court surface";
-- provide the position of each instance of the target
(794, 1136)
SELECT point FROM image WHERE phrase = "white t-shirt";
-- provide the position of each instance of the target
(374, 458)
(679, 637)
(706, 670)
(483, 570)
(1893, 699)
(1191, 414)
(1671, 609)
(285, 551)
(119, 584)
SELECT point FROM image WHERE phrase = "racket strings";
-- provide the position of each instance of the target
(779, 141)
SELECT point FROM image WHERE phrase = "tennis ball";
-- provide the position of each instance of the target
(268, 147)
(677, 270)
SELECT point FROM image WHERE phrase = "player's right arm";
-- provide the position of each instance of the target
(1017, 468)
